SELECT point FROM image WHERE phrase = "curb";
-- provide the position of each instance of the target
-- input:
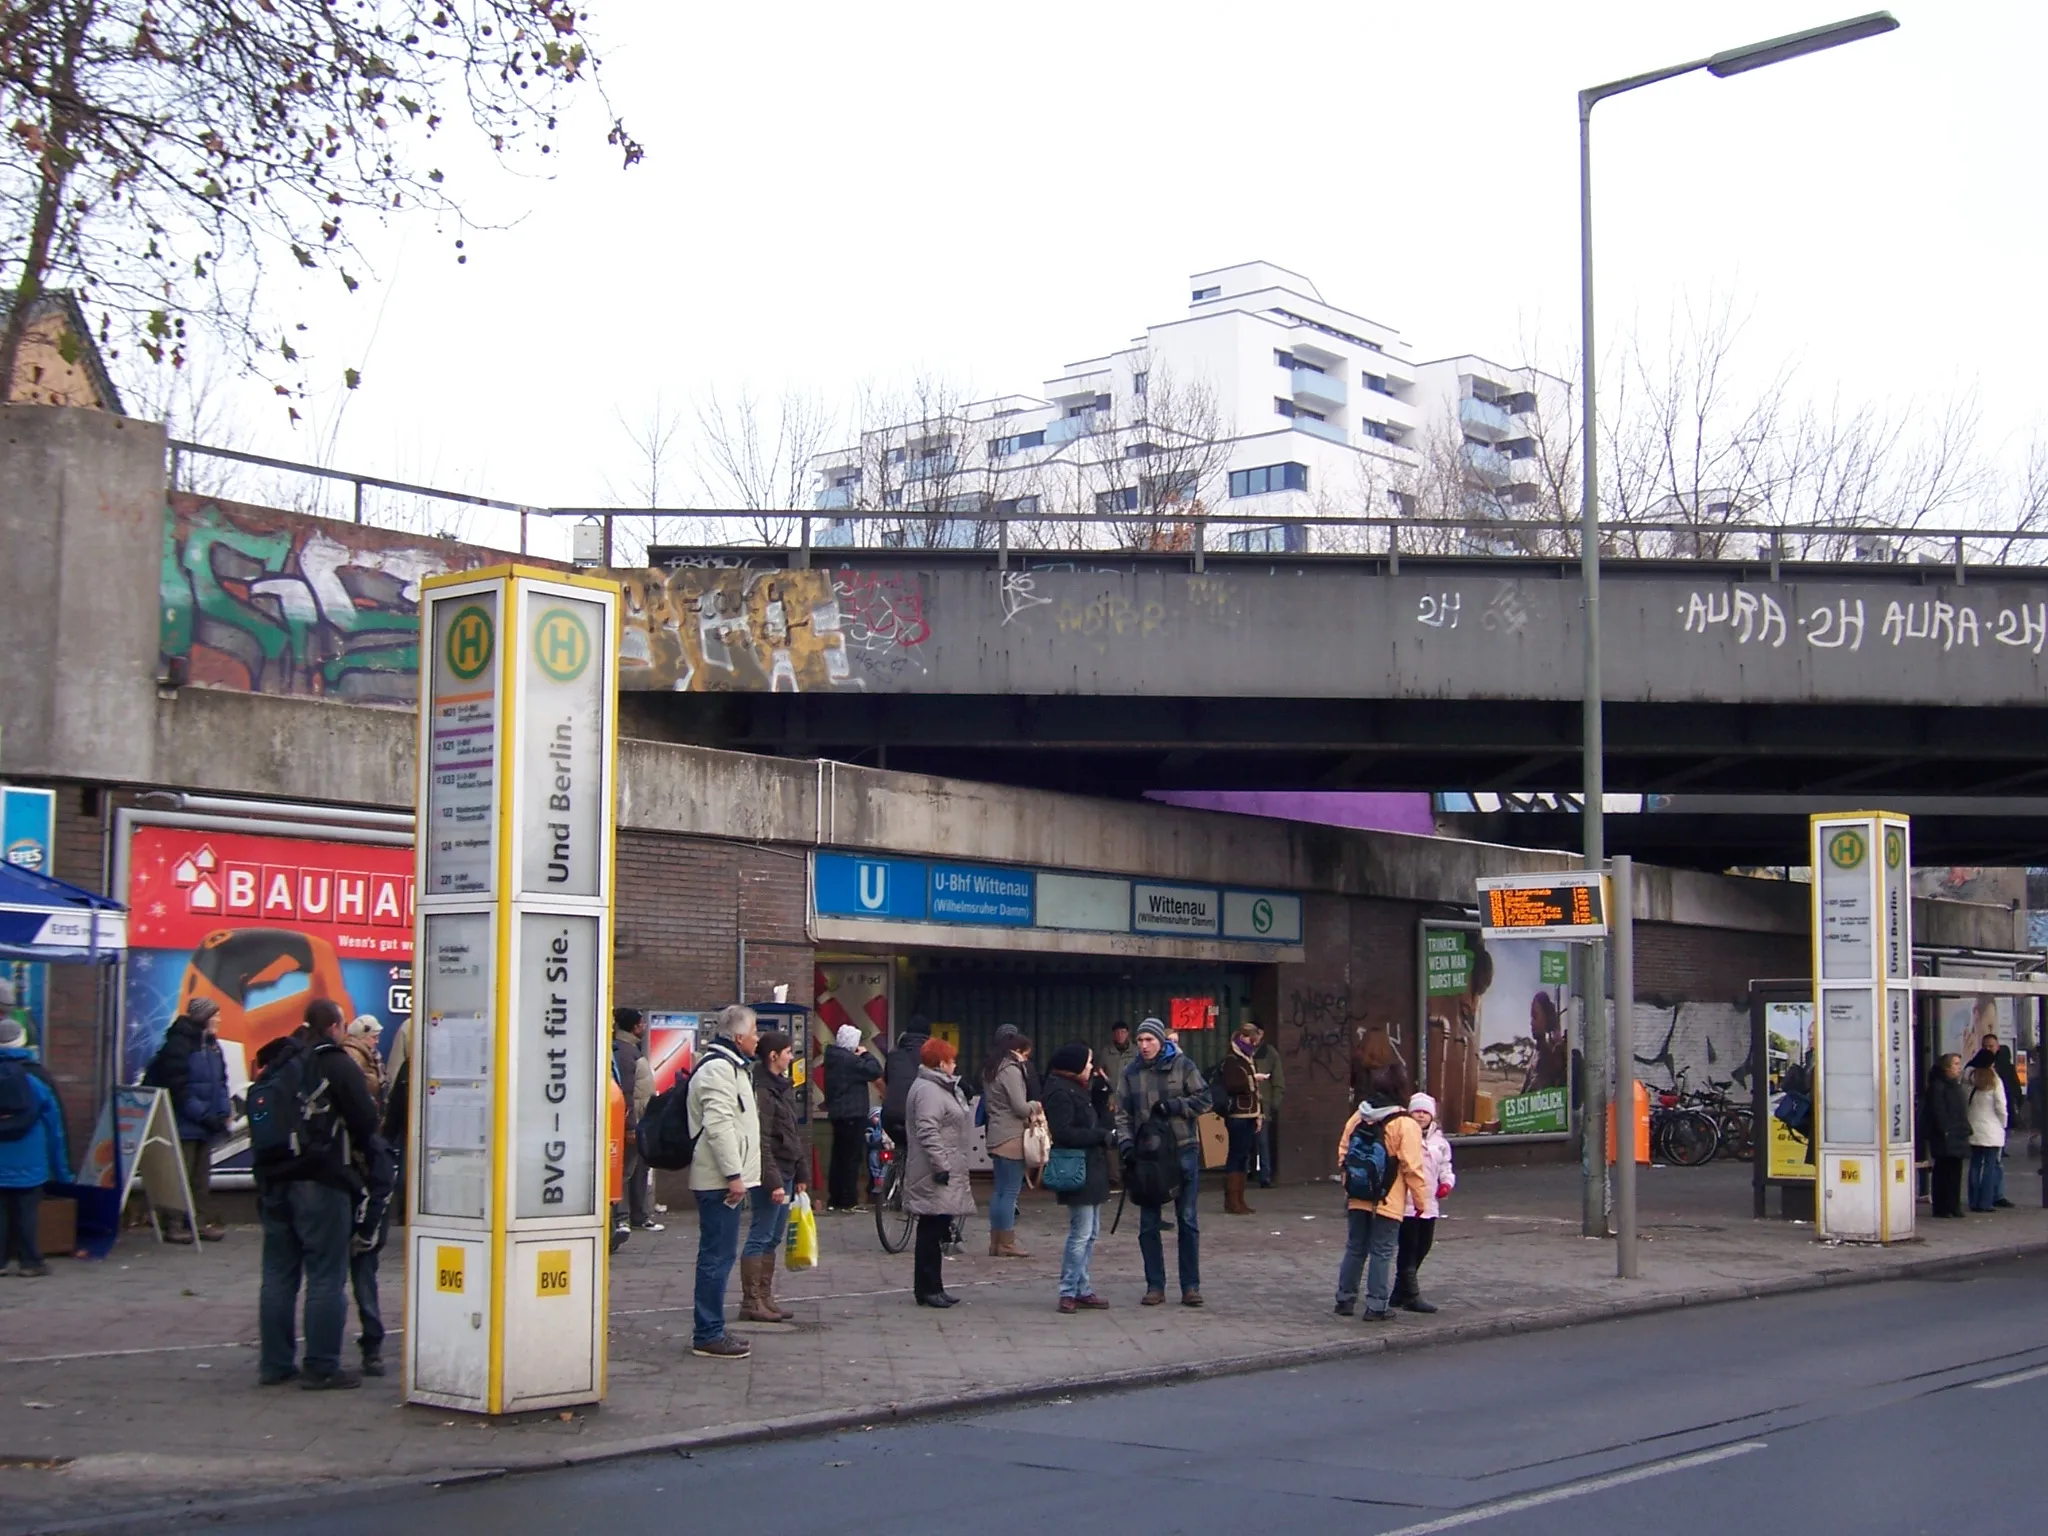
(835, 1420)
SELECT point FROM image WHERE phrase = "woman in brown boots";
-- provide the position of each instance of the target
(1237, 1098)
(784, 1160)
(1008, 1110)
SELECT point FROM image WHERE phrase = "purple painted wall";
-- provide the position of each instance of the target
(1335, 808)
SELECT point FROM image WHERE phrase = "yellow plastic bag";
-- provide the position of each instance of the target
(801, 1250)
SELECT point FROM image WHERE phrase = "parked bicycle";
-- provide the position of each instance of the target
(893, 1225)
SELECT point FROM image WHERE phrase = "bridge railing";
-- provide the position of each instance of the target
(630, 536)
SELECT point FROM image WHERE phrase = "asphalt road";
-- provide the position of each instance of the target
(1908, 1407)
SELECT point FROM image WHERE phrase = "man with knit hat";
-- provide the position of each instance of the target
(1163, 1083)
(193, 1072)
(849, 1073)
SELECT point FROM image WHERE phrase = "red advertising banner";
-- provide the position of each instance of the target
(261, 925)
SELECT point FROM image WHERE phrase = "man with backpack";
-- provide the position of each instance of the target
(1158, 1103)
(310, 1115)
(32, 1151)
(725, 1164)
(899, 1076)
(191, 1069)
(1380, 1155)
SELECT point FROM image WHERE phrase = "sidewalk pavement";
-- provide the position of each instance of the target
(131, 1384)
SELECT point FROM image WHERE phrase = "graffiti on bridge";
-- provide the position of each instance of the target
(262, 601)
(741, 627)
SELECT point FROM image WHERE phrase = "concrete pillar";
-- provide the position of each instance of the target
(82, 524)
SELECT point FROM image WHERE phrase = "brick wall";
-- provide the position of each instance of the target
(1675, 964)
(1358, 980)
(683, 905)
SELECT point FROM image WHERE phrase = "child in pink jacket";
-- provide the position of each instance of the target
(1418, 1222)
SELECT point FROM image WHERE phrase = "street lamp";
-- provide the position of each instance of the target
(1730, 61)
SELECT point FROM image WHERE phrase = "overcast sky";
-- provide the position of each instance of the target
(835, 193)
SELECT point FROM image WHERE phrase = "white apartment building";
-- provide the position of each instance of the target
(1261, 406)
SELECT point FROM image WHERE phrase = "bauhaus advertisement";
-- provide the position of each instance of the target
(261, 925)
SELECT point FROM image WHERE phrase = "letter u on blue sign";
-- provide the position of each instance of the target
(849, 886)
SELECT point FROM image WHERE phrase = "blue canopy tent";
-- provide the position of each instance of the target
(46, 919)
(55, 922)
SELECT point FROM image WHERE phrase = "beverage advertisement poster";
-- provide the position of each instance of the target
(1499, 1015)
(261, 925)
(1788, 1051)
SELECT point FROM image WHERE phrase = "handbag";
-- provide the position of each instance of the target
(1037, 1143)
(1066, 1170)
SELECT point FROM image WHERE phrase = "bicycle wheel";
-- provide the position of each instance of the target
(893, 1224)
(1692, 1139)
(1738, 1135)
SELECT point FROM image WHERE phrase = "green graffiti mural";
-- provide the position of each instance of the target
(270, 602)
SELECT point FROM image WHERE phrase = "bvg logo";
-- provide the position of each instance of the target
(470, 643)
(561, 644)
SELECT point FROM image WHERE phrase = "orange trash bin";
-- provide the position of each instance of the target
(1642, 1126)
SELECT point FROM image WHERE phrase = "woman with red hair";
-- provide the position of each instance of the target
(938, 1130)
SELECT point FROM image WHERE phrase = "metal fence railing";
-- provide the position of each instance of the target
(627, 536)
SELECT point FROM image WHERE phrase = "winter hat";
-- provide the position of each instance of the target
(1071, 1057)
(1008, 1038)
(201, 1009)
(367, 1024)
(1422, 1104)
(12, 1036)
(848, 1037)
(1153, 1028)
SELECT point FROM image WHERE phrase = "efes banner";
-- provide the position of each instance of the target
(262, 926)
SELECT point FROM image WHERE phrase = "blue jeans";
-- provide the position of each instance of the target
(718, 1245)
(1189, 1233)
(1374, 1238)
(1266, 1152)
(1002, 1205)
(1986, 1177)
(362, 1278)
(1084, 1225)
(770, 1221)
(306, 1229)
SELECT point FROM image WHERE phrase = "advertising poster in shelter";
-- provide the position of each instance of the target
(1788, 1047)
(1499, 1021)
(261, 925)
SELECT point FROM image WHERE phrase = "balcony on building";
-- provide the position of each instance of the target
(1484, 419)
(1320, 391)
(1323, 429)
(1488, 463)
(929, 466)
(836, 498)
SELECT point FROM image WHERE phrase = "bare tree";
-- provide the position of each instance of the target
(655, 437)
(1152, 462)
(760, 458)
(162, 154)
(922, 453)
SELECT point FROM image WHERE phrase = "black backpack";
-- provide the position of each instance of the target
(665, 1138)
(20, 1110)
(1370, 1168)
(292, 1118)
(1154, 1175)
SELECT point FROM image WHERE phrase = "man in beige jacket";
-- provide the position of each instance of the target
(724, 1166)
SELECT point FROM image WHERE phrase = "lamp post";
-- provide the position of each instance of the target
(1732, 61)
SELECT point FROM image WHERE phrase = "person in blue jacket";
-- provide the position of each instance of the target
(32, 1151)
(190, 1067)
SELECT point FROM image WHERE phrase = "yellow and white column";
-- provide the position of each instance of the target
(1863, 1013)
(507, 1271)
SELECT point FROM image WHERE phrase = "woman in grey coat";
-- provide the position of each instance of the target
(939, 1130)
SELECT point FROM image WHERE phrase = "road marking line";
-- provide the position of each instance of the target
(1576, 1490)
(2013, 1380)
